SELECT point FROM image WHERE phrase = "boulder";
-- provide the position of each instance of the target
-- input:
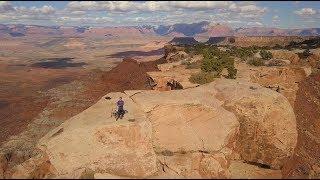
(189, 128)
(176, 56)
(196, 165)
(268, 133)
(178, 74)
(286, 78)
(286, 55)
(214, 166)
(37, 167)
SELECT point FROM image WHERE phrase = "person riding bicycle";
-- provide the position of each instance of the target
(120, 105)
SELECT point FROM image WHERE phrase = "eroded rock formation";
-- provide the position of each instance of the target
(305, 162)
(194, 132)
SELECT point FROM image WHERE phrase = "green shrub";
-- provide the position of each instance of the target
(265, 55)
(278, 46)
(232, 72)
(193, 65)
(255, 62)
(215, 61)
(243, 52)
(305, 54)
(213, 64)
(202, 78)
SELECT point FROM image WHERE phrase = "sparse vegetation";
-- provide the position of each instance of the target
(265, 55)
(193, 65)
(214, 61)
(305, 54)
(275, 62)
(202, 78)
(311, 43)
(243, 52)
(255, 62)
(277, 46)
(232, 72)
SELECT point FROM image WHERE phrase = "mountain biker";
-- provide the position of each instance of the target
(120, 105)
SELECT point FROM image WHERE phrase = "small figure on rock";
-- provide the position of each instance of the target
(120, 111)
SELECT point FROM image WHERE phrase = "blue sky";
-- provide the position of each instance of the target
(281, 14)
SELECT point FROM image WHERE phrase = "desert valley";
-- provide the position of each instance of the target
(203, 100)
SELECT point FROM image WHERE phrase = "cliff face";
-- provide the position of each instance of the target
(306, 163)
(267, 40)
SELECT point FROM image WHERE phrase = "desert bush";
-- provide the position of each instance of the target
(265, 55)
(215, 61)
(305, 54)
(193, 65)
(232, 72)
(276, 62)
(255, 62)
(243, 52)
(202, 78)
(277, 46)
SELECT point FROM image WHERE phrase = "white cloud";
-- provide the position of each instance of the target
(252, 9)
(148, 6)
(5, 6)
(202, 5)
(305, 12)
(134, 12)
(78, 12)
(83, 5)
(254, 24)
(44, 10)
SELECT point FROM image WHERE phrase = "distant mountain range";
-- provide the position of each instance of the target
(200, 29)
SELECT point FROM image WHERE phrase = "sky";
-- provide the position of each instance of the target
(280, 14)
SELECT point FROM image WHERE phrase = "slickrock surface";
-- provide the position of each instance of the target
(267, 122)
(186, 133)
(93, 139)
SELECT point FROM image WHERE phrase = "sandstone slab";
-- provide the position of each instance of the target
(94, 140)
(268, 132)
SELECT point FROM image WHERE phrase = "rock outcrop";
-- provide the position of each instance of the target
(172, 76)
(183, 41)
(305, 162)
(189, 133)
(268, 132)
(286, 55)
(281, 79)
